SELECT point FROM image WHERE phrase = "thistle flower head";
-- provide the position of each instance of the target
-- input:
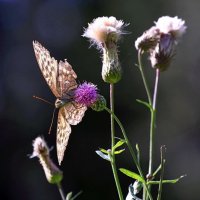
(86, 94)
(160, 41)
(163, 53)
(104, 29)
(148, 40)
(172, 25)
(41, 150)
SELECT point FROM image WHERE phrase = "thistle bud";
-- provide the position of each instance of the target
(111, 69)
(40, 149)
(100, 104)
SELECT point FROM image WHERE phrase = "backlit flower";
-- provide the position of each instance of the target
(104, 29)
(172, 25)
(105, 32)
(148, 40)
(163, 53)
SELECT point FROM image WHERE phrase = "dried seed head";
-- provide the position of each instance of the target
(40, 149)
(148, 40)
(103, 30)
(162, 55)
(171, 25)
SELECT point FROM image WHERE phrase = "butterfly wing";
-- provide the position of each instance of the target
(72, 113)
(48, 66)
(66, 79)
(63, 133)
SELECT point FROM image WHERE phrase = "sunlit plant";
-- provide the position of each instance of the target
(159, 42)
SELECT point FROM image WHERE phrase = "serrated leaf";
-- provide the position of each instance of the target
(102, 155)
(119, 151)
(173, 181)
(144, 103)
(118, 144)
(132, 175)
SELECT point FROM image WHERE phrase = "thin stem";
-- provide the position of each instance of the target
(152, 126)
(130, 148)
(113, 164)
(144, 77)
(61, 191)
(156, 88)
(111, 117)
(161, 173)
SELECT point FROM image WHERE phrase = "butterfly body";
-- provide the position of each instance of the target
(60, 102)
(62, 81)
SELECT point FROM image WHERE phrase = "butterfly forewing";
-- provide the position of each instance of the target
(48, 66)
(66, 79)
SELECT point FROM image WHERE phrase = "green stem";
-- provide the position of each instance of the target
(152, 126)
(144, 77)
(61, 191)
(161, 173)
(130, 148)
(113, 164)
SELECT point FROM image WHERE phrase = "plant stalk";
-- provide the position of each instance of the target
(61, 191)
(113, 164)
(130, 149)
(153, 124)
(144, 77)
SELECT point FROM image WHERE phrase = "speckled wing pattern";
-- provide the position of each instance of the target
(48, 66)
(61, 79)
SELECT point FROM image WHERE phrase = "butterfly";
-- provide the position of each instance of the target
(61, 79)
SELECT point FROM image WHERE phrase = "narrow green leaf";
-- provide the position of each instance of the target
(158, 169)
(145, 104)
(138, 153)
(119, 151)
(166, 181)
(118, 144)
(132, 174)
(69, 196)
(102, 155)
(103, 150)
(75, 196)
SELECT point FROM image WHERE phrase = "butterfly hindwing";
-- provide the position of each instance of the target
(63, 133)
(74, 112)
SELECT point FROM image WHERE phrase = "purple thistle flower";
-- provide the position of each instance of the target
(86, 94)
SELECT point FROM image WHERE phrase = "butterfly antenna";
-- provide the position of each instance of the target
(41, 99)
(52, 121)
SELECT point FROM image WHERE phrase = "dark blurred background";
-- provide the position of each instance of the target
(58, 25)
